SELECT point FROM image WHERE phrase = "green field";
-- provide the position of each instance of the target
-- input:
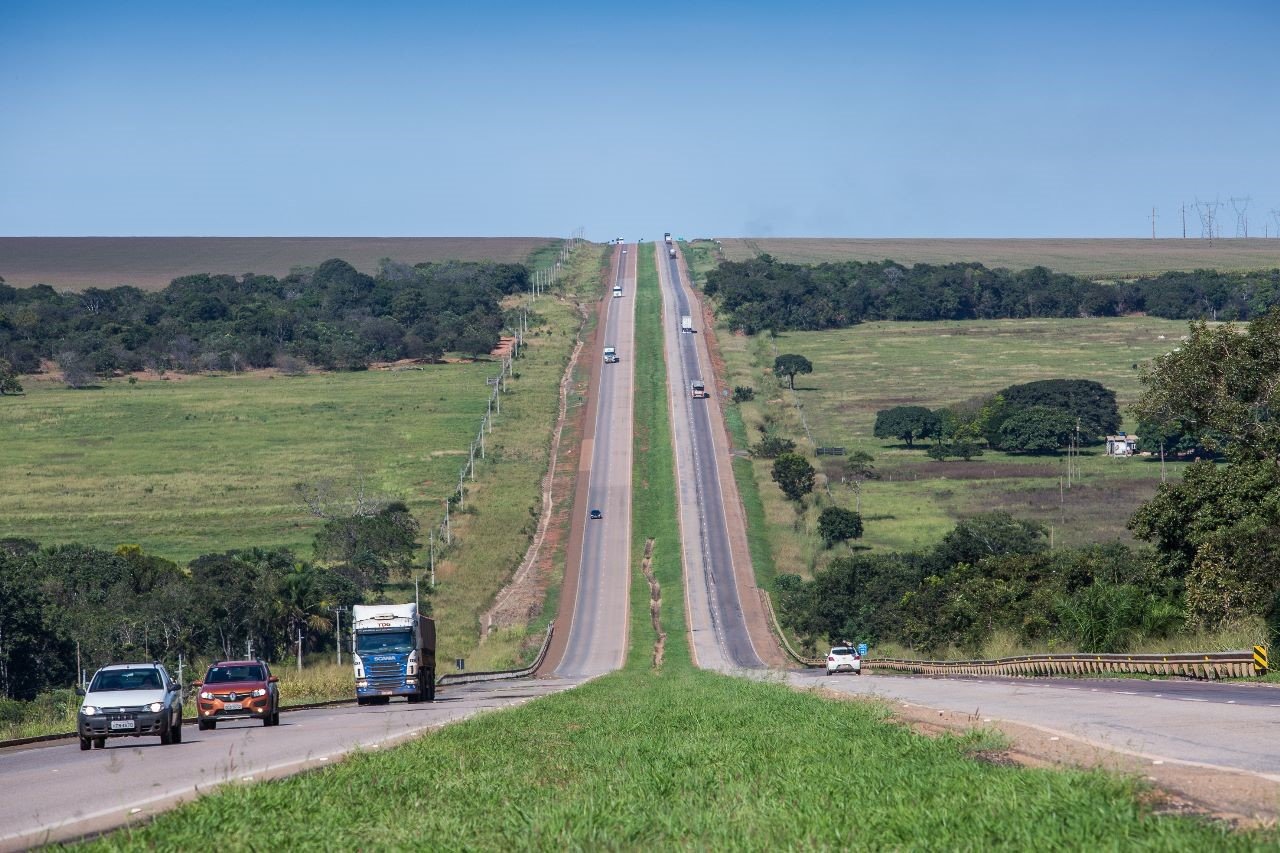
(679, 758)
(1093, 258)
(875, 366)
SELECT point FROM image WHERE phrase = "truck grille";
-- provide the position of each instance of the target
(384, 673)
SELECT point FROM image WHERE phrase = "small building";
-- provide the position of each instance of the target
(1122, 445)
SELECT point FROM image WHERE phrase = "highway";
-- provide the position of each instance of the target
(66, 793)
(597, 637)
(1207, 724)
(53, 791)
(719, 634)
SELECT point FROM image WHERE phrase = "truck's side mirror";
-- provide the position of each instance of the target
(79, 690)
(273, 679)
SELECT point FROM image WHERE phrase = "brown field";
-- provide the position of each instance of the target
(76, 263)
(1111, 258)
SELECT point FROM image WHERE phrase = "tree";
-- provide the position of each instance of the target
(75, 369)
(837, 524)
(1090, 402)
(1038, 429)
(789, 365)
(369, 546)
(794, 475)
(906, 422)
(1221, 387)
(989, 534)
(8, 379)
(743, 393)
(772, 446)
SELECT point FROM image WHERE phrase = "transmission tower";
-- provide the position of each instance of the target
(1241, 207)
(1275, 213)
(1208, 211)
(1153, 223)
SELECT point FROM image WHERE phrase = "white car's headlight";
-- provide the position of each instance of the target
(89, 711)
(261, 691)
(155, 707)
(205, 694)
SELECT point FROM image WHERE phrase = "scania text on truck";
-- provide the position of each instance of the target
(698, 388)
(610, 355)
(686, 323)
(394, 649)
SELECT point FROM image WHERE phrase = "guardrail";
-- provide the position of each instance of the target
(1209, 666)
(782, 638)
(499, 674)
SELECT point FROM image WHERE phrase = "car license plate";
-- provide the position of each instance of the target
(123, 724)
(232, 706)
(386, 692)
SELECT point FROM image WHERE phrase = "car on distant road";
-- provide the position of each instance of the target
(844, 659)
(596, 515)
(237, 690)
(130, 700)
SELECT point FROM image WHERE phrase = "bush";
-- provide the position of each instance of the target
(743, 393)
(772, 446)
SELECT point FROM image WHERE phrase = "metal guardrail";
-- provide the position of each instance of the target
(1202, 665)
(782, 638)
(498, 675)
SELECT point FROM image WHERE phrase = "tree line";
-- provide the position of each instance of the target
(334, 317)
(764, 294)
(73, 603)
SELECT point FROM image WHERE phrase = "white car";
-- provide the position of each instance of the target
(844, 659)
(130, 699)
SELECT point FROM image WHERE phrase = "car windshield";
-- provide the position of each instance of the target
(228, 674)
(125, 679)
(384, 642)
(842, 651)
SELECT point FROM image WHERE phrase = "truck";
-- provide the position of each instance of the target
(671, 252)
(393, 647)
(686, 323)
(617, 290)
(667, 238)
(698, 388)
(610, 355)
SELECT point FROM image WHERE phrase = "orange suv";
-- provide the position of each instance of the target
(237, 689)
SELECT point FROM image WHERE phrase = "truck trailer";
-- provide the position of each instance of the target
(617, 290)
(686, 323)
(698, 388)
(610, 355)
(667, 238)
(394, 650)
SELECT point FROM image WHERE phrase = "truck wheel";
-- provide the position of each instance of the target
(431, 686)
(361, 701)
(85, 743)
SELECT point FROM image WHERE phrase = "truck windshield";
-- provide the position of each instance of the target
(384, 642)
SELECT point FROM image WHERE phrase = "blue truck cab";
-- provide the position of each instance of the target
(394, 651)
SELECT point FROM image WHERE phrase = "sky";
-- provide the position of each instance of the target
(849, 119)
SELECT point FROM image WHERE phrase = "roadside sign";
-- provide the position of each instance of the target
(1260, 659)
(460, 664)
(862, 649)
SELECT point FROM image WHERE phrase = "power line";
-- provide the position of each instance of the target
(1241, 207)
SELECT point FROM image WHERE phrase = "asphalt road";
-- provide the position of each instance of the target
(719, 636)
(53, 791)
(597, 640)
(1229, 726)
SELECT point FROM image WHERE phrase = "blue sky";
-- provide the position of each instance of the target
(867, 119)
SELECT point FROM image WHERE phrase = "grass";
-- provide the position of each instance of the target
(875, 366)
(150, 263)
(1093, 258)
(679, 758)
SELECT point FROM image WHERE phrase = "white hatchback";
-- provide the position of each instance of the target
(844, 659)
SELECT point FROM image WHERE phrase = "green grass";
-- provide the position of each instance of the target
(680, 759)
(653, 509)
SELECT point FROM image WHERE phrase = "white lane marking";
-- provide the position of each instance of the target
(1189, 699)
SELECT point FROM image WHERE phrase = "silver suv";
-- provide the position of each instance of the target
(844, 659)
(130, 699)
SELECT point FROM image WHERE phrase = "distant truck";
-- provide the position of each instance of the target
(686, 323)
(698, 388)
(667, 238)
(671, 253)
(617, 290)
(610, 355)
(394, 649)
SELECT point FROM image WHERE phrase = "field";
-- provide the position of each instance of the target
(1110, 258)
(150, 263)
(670, 757)
(875, 366)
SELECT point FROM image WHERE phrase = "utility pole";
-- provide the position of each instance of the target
(337, 630)
(432, 546)
(299, 650)
(1153, 223)
(1184, 220)
(448, 536)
